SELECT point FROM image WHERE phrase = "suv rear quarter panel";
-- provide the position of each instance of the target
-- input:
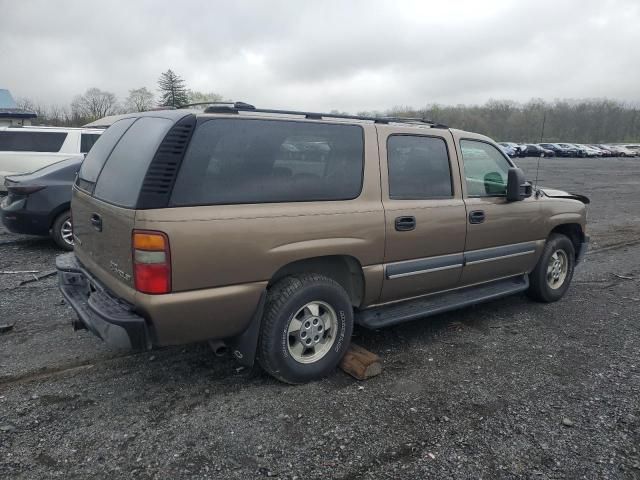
(224, 255)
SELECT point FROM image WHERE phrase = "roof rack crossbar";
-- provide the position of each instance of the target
(235, 107)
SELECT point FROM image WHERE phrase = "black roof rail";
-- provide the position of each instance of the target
(236, 107)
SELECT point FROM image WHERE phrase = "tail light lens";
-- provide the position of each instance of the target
(24, 189)
(151, 262)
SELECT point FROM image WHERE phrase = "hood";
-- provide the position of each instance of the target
(552, 193)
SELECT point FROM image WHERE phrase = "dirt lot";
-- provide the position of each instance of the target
(509, 389)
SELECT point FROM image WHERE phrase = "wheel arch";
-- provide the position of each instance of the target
(63, 207)
(574, 232)
(346, 270)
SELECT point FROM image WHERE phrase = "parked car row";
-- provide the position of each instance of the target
(37, 168)
(569, 150)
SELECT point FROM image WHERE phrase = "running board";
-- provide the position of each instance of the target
(386, 315)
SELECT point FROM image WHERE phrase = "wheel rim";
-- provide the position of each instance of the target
(312, 332)
(66, 232)
(557, 269)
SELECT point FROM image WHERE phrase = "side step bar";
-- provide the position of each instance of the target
(386, 315)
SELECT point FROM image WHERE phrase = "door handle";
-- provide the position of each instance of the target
(405, 224)
(96, 221)
(477, 216)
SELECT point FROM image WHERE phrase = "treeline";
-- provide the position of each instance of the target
(580, 121)
(95, 103)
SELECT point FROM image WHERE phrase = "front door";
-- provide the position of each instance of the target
(425, 215)
(503, 238)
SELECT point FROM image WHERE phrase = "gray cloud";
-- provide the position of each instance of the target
(356, 55)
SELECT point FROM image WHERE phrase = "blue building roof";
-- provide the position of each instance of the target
(6, 100)
(9, 108)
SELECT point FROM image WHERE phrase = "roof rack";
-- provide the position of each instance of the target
(236, 107)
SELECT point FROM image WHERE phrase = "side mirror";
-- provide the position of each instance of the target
(517, 186)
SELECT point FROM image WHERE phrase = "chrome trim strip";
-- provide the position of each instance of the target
(423, 265)
(419, 272)
(485, 260)
(420, 266)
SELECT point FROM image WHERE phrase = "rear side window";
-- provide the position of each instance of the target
(100, 152)
(232, 161)
(25, 141)
(121, 178)
(87, 140)
(418, 168)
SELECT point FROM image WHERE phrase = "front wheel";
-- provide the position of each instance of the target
(62, 231)
(306, 328)
(552, 275)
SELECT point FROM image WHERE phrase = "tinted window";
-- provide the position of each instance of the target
(123, 173)
(418, 168)
(262, 161)
(87, 140)
(12, 141)
(100, 152)
(485, 169)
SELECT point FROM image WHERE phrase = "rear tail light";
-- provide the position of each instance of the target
(151, 262)
(24, 189)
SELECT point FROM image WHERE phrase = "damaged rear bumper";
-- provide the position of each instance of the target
(111, 319)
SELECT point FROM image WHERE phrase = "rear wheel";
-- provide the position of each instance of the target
(62, 231)
(306, 328)
(551, 277)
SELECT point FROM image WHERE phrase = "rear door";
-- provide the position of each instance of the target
(106, 194)
(424, 212)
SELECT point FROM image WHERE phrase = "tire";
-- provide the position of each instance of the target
(548, 283)
(60, 231)
(281, 353)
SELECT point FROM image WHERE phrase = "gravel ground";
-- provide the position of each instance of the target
(509, 389)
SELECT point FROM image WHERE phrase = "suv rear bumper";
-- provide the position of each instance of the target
(109, 318)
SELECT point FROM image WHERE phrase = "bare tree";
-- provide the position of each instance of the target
(139, 100)
(94, 104)
(31, 106)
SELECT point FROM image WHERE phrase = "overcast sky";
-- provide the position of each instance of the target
(323, 55)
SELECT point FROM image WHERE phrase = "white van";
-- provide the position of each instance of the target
(25, 149)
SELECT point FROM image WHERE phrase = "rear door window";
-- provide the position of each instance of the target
(25, 141)
(98, 155)
(233, 161)
(121, 178)
(87, 140)
(418, 168)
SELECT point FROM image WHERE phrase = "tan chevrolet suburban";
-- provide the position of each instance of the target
(276, 231)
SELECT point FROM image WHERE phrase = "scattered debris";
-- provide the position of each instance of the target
(7, 428)
(624, 277)
(7, 327)
(360, 363)
(17, 272)
(39, 277)
(567, 422)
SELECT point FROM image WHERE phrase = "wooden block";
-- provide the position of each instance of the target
(360, 363)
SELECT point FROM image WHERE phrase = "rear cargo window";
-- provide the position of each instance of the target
(25, 141)
(232, 161)
(121, 178)
(100, 152)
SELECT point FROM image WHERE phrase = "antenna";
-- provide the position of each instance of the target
(544, 120)
(535, 185)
